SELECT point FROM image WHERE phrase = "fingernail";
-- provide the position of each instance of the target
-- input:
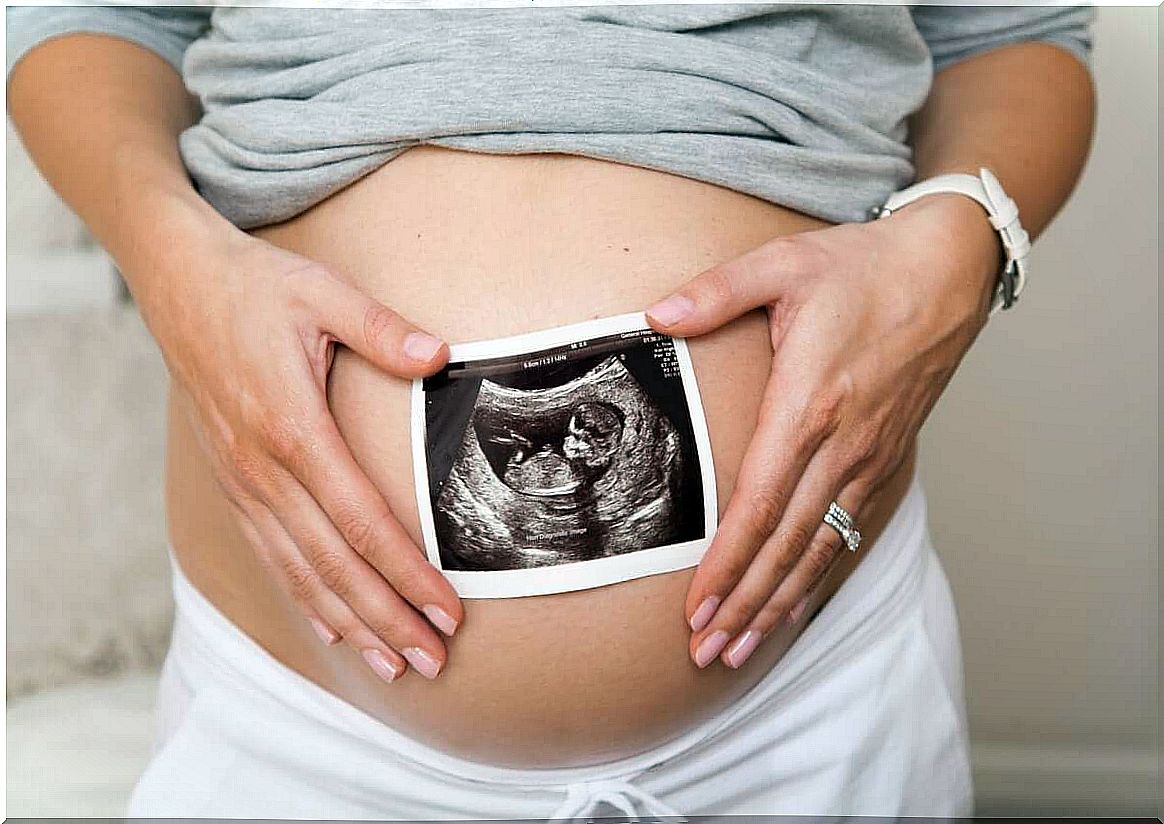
(798, 610)
(380, 664)
(421, 347)
(440, 619)
(703, 614)
(326, 634)
(421, 661)
(672, 310)
(710, 648)
(742, 648)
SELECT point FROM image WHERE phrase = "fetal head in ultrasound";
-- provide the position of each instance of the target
(558, 470)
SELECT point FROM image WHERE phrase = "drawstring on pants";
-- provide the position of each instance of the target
(584, 797)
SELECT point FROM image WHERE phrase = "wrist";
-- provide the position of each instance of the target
(163, 231)
(960, 231)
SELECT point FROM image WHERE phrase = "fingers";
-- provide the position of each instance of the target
(373, 597)
(796, 557)
(324, 610)
(770, 471)
(361, 516)
(791, 599)
(338, 620)
(320, 559)
(728, 290)
(297, 465)
(373, 615)
(314, 517)
(371, 329)
(264, 541)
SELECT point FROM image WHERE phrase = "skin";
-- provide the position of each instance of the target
(868, 323)
(862, 358)
(566, 679)
(309, 512)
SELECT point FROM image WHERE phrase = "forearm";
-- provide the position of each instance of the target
(101, 118)
(1025, 111)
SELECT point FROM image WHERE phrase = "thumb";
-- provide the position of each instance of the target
(717, 295)
(376, 333)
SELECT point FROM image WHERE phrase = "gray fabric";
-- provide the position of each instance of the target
(801, 105)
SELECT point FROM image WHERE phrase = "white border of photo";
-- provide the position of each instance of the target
(515, 583)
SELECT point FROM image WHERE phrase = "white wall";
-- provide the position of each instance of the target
(1042, 468)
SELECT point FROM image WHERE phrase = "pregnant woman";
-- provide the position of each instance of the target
(309, 205)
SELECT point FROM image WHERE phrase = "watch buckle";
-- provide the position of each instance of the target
(1007, 278)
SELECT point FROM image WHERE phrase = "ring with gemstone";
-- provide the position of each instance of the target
(840, 520)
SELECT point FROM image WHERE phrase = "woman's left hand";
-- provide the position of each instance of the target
(868, 323)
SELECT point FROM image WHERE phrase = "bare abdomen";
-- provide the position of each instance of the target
(477, 246)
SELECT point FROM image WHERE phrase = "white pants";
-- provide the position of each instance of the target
(863, 716)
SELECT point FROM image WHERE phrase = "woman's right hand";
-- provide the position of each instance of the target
(248, 330)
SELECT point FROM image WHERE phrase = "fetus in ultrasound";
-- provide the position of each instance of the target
(582, 470)
(588, 447)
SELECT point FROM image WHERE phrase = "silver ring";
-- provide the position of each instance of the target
(839, 519)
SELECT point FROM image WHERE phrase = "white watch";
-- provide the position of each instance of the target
(1001, 210)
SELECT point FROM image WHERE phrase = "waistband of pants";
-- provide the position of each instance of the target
(208, 648)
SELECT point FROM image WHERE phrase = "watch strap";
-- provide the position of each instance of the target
(1000, 209)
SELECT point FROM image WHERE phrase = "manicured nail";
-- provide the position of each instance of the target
(440, 619)
(672, 310)
(421, 347)
(380, 665)
(710, 648)
(742, 648)
(326, 634)
(703, 614)
(421, 661)
(798, 610)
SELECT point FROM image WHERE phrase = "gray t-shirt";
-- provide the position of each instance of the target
(801, 105)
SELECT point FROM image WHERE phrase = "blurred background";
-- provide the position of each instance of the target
(1041, 463)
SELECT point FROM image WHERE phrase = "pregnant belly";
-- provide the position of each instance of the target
(476, 246)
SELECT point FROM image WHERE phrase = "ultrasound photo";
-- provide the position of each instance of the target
(536, 453)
